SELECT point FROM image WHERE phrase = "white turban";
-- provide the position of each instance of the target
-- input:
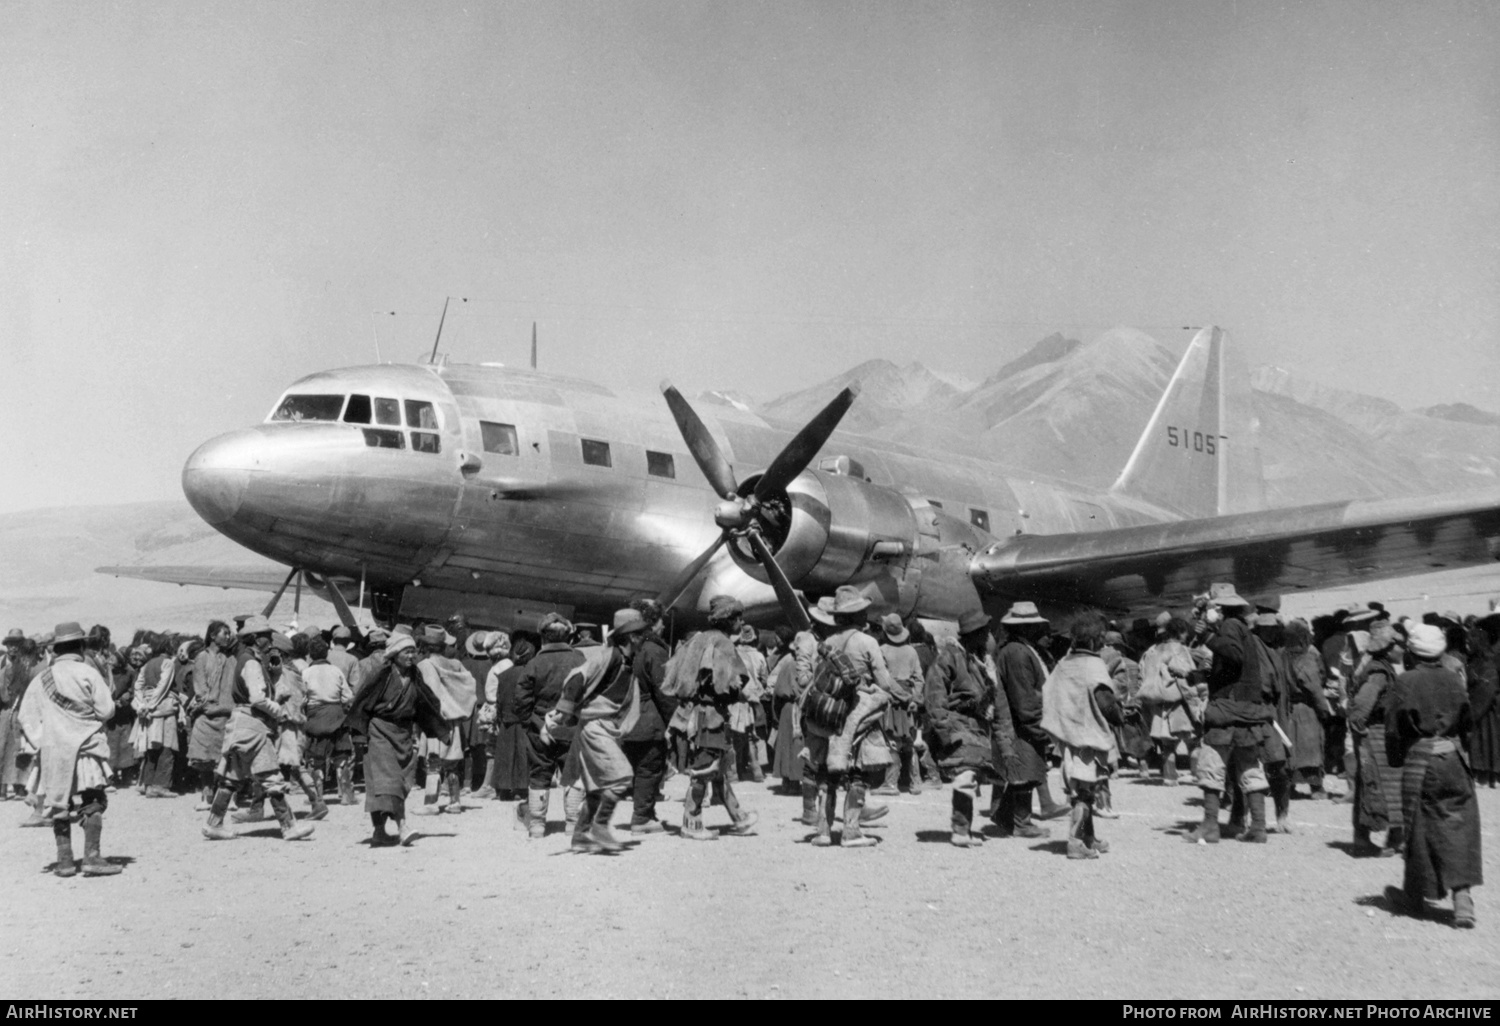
(1426, 641)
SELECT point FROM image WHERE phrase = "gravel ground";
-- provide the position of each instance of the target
(474, 909)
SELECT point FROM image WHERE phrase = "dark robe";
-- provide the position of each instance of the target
(512, 765)
(1377, 783)
(1304, 675)
(958, 693)
(117, 730)
(1022, 674)
(388, 710)
(1484, 683)
(1428, 713)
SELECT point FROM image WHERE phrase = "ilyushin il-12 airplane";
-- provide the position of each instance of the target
(426, 489)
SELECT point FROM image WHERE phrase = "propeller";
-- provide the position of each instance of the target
(765, 508)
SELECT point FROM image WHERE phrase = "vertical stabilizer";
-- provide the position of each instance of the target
(1200, 453)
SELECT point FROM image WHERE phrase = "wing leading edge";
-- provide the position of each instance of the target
(1264, 553)
(247, 578)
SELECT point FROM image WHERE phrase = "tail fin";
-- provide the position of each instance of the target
(1200, 454)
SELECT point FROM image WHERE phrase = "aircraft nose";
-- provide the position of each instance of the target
(217, 473)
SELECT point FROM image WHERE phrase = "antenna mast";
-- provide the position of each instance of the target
(533, 345)
(433, 357)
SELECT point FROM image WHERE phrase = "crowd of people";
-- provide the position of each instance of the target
(1229, 697)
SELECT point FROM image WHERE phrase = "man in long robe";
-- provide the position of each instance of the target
(1022, 674)
(645, 743)
(1079, 712)
(392, 704)
(63, 716)
(962, 701)
(1428, 711)
(210, 706)
(450, 680)
(537, 690)
(15, 676)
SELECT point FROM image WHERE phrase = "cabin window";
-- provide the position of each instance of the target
(499, 438)
(358, 410)
(425, 441)
(388, 411)
(309, 407)
(980, 519)
(660, 464)
(378, 439)
(420, 414)
(596, 454)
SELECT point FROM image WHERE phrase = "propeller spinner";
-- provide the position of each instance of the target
(761, 510)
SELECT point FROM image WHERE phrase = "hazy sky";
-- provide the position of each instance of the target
(205, 201)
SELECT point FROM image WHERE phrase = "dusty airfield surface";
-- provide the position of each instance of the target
(474, 909)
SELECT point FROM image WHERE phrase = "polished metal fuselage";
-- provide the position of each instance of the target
(541, 526)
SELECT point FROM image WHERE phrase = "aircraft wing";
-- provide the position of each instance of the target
(1269, 552)
(248, 578)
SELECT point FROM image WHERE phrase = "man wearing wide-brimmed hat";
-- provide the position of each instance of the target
(905, 667)
(1238, 717)
(62, 715)
(855, 755)
(249, 760)
(1022, 674)
(747, 719)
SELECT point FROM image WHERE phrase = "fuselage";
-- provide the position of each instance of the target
(545, 490)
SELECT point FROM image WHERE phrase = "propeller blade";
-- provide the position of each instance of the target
(668, 598)
(701, 444)
(790, 604)
(800, 451)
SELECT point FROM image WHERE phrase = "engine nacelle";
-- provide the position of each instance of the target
(840, 529)
(906, 555)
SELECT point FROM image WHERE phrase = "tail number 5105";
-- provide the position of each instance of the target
(1182, 438)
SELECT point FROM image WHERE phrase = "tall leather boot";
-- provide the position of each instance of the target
(536, 813)
(455, 791)
(378, 837)
(345, 771)
(692, 812)
(854, 801)
(1207, 832)
(574, 801)
(742, 818)
(828, 796)
(890, 779)
(312, 786)
(1078, 822)
(62, 832)
(291, 830)
(1257, 832)
(216, 830)
(964, 789)
(1463, 908)
(914, 771)
(95, 864)
(1281, 792)
(1020, 815)
(1236, 824)
(809, 801)
(432, 791)
(603, 811)
(1169, 766)
(580, 841)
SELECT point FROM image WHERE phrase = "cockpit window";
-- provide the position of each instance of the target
(309, 407)
(420, 414)
(499, 438)
(423, 441)
(358, 410)
(377, 439)
(388, 411)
